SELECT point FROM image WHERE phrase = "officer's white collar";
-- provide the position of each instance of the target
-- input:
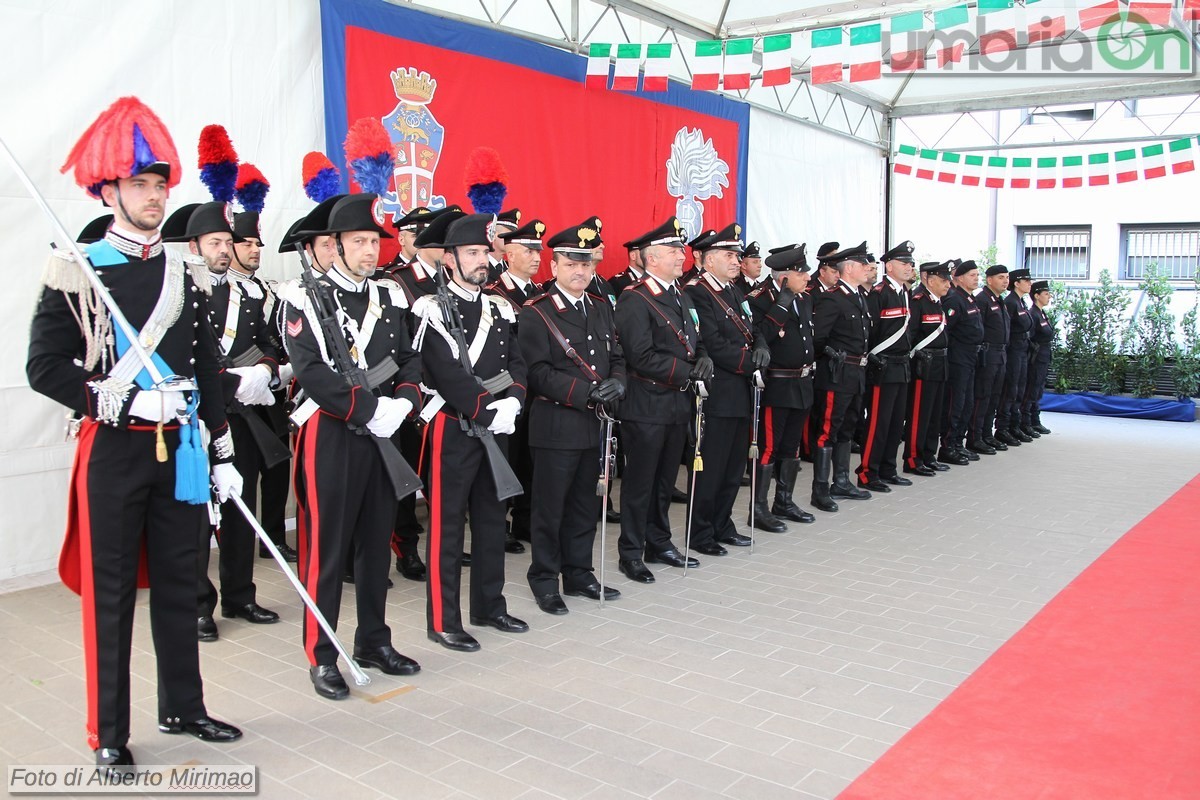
(899, 287)
(520, 282)
(463, 293)
(218, 278)
(666, 285)
(342, 282)
(715, 281)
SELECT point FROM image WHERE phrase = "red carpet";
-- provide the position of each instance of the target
(1097, 698)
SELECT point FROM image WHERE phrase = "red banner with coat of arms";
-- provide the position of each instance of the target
(441, 88)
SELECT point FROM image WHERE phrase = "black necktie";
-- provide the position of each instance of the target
(671, 290)
(579, 306)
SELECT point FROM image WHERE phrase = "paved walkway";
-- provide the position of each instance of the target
(782, 673)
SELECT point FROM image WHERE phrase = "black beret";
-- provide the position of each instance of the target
(997, 269)
(964, 267)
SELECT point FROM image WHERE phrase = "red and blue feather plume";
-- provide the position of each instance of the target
(369, 155)
(252, 188)
(218, 163)
(486, 180)
(322, 180)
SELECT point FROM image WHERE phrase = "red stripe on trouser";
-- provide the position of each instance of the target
(864, 469)
(312, 569)
(823, 437)
(87, 587)
(768, 449)
(434, 573)
(914, 438)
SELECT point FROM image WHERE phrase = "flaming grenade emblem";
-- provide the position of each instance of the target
(694, 173)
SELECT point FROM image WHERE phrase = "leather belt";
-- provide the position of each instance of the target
(803, 372)
(855, 360)
(653, 382)
(941, 351)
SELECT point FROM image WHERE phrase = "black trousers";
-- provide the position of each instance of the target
(236, 539)
(276, 482)
(725, 449)
(960, 396)
(124, 509)
(780, 431)
(652, 454)
(1035, 387)
(1008, 413)
(406, 531)
(837, 416)
(563, 525)
(989, 385)
(885, 425)
(460, 483)
(521, 459)
(345, 507)
(922, 425)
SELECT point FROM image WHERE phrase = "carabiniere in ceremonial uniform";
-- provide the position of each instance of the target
(927, 392)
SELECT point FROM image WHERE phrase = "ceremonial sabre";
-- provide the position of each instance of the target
(758, 390)
(607, 464)
(360, 677)
(172, 383)
(697, 467)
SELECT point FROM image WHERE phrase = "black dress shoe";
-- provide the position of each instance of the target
(204, 729)
(328, 681)
(505, 623)
(287, 551)
(672, 558)
(1020, 435)
(734, 539)
(994, 443)
(875, 485)
(635, 570)
(206, 629)
(412, 567)
(709, 549)
(251, 612)
(1030, 432)
(953, 457)
(937, 466)
(114, 757)
(455, 640)
(592, 592)
(551, 603)
(922, 470)
(979, 446)
(896, 480)
(511, 545)
(969, 455)
(613, 516)
(386, 659)
(1042, 429)
(678, 496)
(1007, 438)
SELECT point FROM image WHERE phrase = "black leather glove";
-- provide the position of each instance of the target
(702, 370)
(874, 360)
(607, 391)
(761, 357)
(786, 296)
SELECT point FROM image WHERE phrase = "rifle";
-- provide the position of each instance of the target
(404, 481)
(697, 467)
(608, 463)
(506, 481)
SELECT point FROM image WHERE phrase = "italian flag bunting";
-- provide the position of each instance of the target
(597, 66)
(1044, 20)
(906, 156)
(1072, 172)
(777, 60)
(1047, 172)
(739, 58)
(1099, 170)
(953, 35)
(949, 168)
(1191, 10)
(629, 60)
(1153, 163)
(1093, 14)
(866, 52)
(1156, 13)
(996, 167)
(1125, 165)
(658, 66)
(826, 56)
(706, 68)
(1021, 167)
(972, 172)
(1182, 155)
(997, 26)
(927, 164)
(907, 42)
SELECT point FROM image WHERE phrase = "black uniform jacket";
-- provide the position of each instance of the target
(624, 279)
(252, 327)
(508, 288)
(559, 415)
(889, 310)
(1041, 334)
(842, 324)
(927, 314)
(389, 340)
(444, 372)
(727, 329)
(788, 332)
(964, 325)
(1020, 323)
(995, 324)
(416, 276)
(660, 340)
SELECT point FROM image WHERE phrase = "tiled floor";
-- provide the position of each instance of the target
(779, 673)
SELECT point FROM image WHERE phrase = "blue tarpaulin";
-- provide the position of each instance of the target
(1105, 405)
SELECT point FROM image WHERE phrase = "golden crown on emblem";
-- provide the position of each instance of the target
(413, 86)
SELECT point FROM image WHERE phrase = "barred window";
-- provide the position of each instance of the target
(1174, 249)
(1055, 254)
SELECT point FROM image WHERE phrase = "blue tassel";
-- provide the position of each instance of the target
(191, 461)
(487, 198)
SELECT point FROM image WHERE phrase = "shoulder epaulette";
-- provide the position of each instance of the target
(503, 306)
(395, 290)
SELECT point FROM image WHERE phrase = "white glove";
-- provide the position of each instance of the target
(227, 481)
(254, 385)
(389, 415)
(285, 375)
(505, 420)
(156, 406)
